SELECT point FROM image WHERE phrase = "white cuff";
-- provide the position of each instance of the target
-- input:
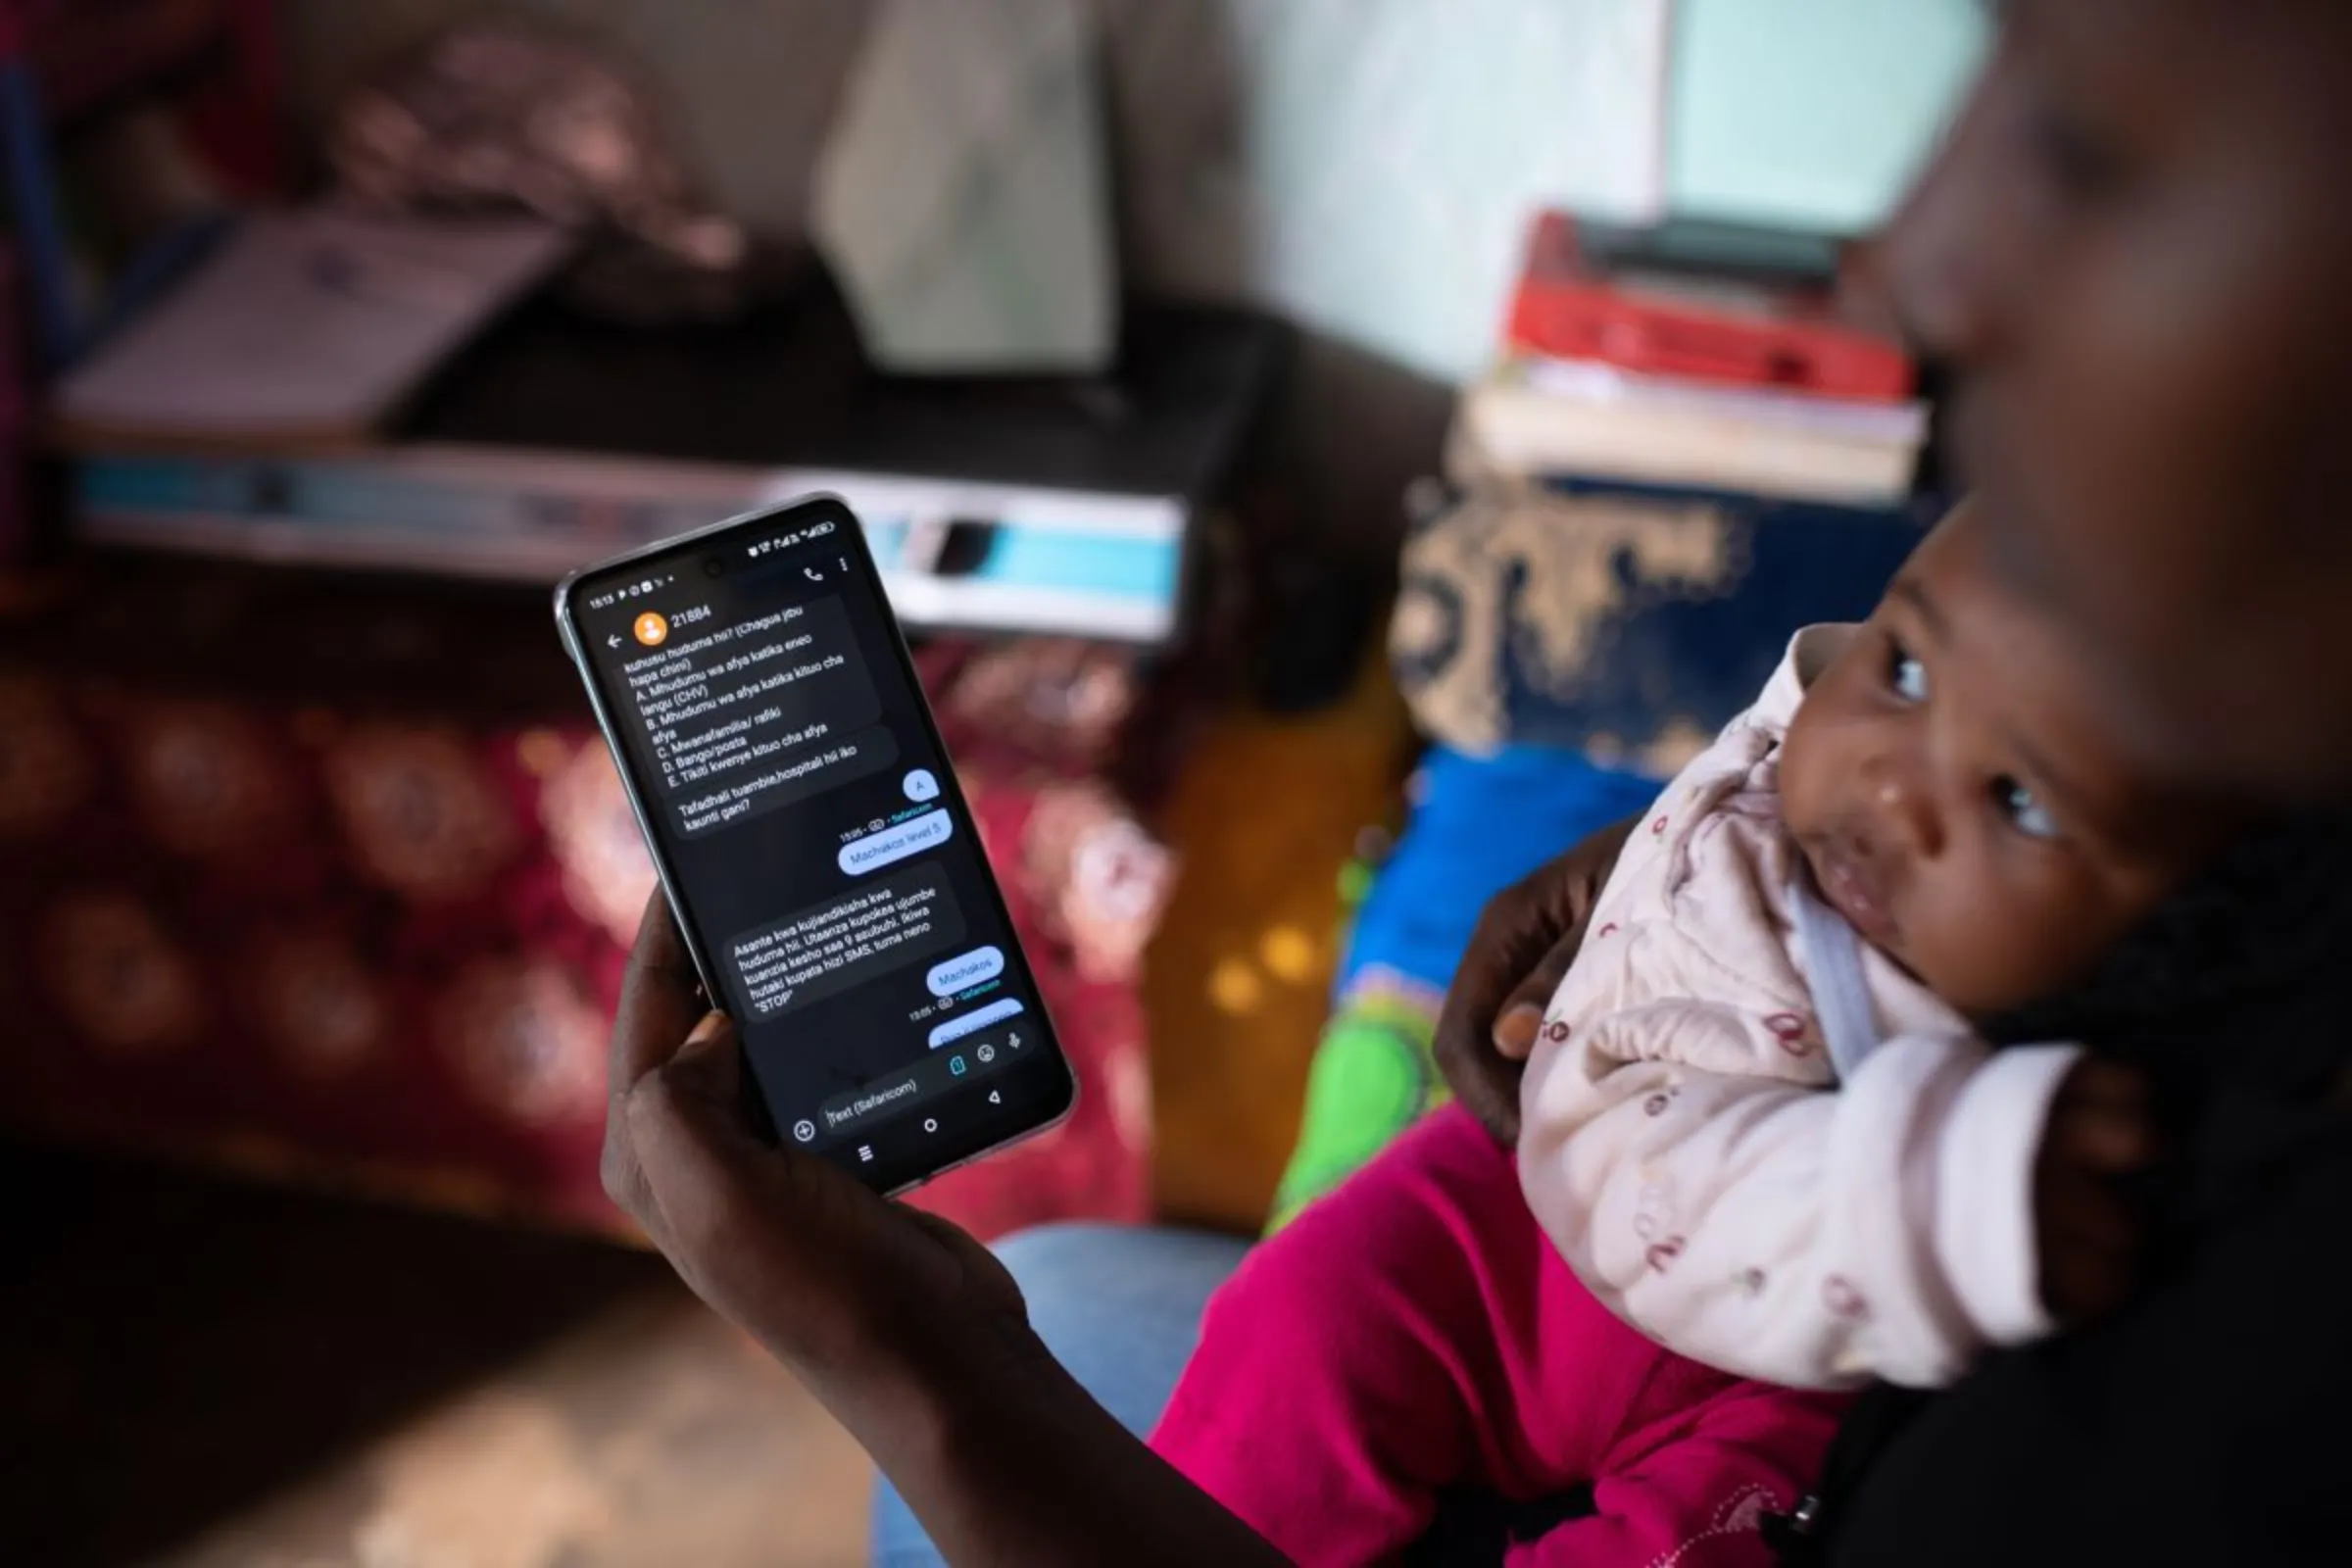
(1985, 1238)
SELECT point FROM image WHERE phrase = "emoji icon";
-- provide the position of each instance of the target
(652, 629)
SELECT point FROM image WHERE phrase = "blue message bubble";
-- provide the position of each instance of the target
(892, 844)
(972, 1022)
(968, 969)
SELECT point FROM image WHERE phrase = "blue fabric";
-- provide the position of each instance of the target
(1481, 824)
(1119, 1307)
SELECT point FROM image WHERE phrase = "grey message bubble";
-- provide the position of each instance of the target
(852, 936)
(754, 716)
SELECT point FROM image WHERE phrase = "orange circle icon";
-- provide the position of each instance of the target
(652, 629)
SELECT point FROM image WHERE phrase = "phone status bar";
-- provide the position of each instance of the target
(632, 590)
(716, 564)
(785, 541)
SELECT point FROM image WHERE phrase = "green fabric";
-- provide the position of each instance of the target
(1373, 1076)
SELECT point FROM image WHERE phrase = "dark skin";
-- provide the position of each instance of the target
(2133, 253)
(1951, 782)
(2151, 407)
(907, 1329)
(1961, 795)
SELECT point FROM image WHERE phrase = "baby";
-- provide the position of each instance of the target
(1758, 1126)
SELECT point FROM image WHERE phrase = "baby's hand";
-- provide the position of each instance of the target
(2087, 1235)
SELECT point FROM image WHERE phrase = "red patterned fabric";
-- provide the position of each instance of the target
(333, 880)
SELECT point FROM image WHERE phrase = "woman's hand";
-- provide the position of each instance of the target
(908, 1330)
(1524, 943)
(784, 1244)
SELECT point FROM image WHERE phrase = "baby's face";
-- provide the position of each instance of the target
(1949, 780)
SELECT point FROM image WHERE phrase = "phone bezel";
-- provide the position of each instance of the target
(1055, 1110)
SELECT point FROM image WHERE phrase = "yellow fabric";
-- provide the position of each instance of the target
(1238, 981)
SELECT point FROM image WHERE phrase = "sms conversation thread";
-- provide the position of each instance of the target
(799, 802)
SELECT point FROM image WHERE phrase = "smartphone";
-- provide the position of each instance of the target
(814, 844)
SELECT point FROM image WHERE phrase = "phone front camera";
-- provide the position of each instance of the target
(715, 566)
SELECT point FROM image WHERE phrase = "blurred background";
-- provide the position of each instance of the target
(1330, 454)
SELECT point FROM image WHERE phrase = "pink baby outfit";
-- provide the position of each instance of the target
(1413, 1332)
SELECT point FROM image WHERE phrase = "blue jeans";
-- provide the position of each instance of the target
(1119, 1306)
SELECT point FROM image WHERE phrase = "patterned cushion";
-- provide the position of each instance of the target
(1627, 622)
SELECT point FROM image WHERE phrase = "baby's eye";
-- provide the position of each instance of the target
(2025, 813)
(1906, 674)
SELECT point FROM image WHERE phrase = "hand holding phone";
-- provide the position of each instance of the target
(902, 1325)
(819, 858)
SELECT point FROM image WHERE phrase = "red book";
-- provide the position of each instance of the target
(1738, 334)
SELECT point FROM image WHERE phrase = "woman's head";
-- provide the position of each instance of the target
(2136, 254)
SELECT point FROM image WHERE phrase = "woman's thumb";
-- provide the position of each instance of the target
(707, 1070)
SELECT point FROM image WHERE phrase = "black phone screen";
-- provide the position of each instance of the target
(818, 853)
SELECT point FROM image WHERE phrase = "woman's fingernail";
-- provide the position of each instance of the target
(712, 1025)
(1516, 1029)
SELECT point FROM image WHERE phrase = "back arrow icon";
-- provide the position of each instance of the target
(612, 642)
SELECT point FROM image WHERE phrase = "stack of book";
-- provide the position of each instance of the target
(1618, 368)
(1684, 453)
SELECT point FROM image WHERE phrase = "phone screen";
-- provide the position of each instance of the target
(816, 849)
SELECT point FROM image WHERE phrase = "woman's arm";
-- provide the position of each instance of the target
(907, 1329)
